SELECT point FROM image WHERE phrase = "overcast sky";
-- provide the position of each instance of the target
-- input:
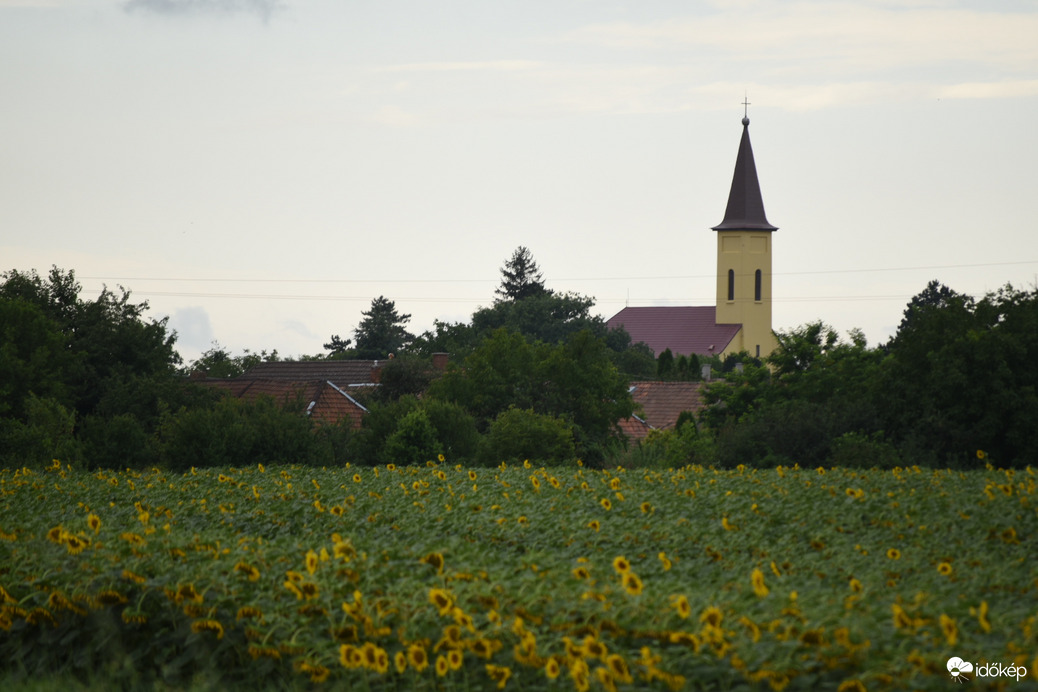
(259, 170)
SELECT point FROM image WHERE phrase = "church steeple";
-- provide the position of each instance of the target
(745, 210)
(744, 259)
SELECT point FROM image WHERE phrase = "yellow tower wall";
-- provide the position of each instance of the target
(745, 253)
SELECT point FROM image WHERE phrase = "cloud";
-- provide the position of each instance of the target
(263, 8)
(834, 37)
(989, 90)
(472, 66)
(394, 116)
(194, 331)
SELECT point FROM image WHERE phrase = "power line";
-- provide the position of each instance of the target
(591, 278)
(434, 299)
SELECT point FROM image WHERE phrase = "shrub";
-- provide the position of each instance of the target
(455, 429)
(413, 442)
(46, 434)
(520, 434)
(856, 450)
(238, 433)
(118, 442)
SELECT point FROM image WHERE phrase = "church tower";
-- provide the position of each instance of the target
(744, 259)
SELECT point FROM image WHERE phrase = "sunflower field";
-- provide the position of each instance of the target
(521, 577)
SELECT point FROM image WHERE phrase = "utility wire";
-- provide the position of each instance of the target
(593, 278)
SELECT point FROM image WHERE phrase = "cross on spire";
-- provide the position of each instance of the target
(745, 106)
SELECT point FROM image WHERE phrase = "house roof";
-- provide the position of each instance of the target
(661, 403)
(634, 428)
(684, 330)
(320, 399)
(745, 210)
(342, 372)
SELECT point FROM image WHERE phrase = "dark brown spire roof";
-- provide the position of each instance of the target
(745, 210)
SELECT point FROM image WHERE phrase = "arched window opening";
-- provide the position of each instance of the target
(731, 284)
(756, 286)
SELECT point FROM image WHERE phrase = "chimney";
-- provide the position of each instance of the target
(439, 361)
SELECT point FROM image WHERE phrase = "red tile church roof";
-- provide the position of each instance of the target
(684, 330)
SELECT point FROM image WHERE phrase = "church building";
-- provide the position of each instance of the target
(740, 319)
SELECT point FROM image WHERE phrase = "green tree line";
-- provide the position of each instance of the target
(534, 375)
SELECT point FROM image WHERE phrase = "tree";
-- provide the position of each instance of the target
(337, 346)
(518, 434)
(575, 381)
(381, 332)
(546, 316)
(93, 360)
(961, 377)
(521, 278)
(219, 362)
(33, 357)
(665, 365)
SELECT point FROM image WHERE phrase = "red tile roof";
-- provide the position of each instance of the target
(320, 399)
(634, 428)
(684, 330)
(661, 403)
(342, 372)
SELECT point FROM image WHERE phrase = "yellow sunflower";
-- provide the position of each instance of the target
(681, 604)
(632, 583)
(417, 657)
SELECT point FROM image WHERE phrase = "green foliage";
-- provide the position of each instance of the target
(520, 434)
(820, 388)
(453, 429)
(673, 448)
(45, 433)
(962, 375)
(238, 432)
(520, 277)
(635, 362)
(665, 365)
(456, 338)
(187, 580)
(681, 369)
(382, 331)
(548, 317)
(379, 423)
(219, 362)
(33, 357)
(118, 442)
(575, 380)
(413, 441)
(93, 360)
(855, 450)
(404, 375)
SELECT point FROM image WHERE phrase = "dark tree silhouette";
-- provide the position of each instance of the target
(521, 277)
